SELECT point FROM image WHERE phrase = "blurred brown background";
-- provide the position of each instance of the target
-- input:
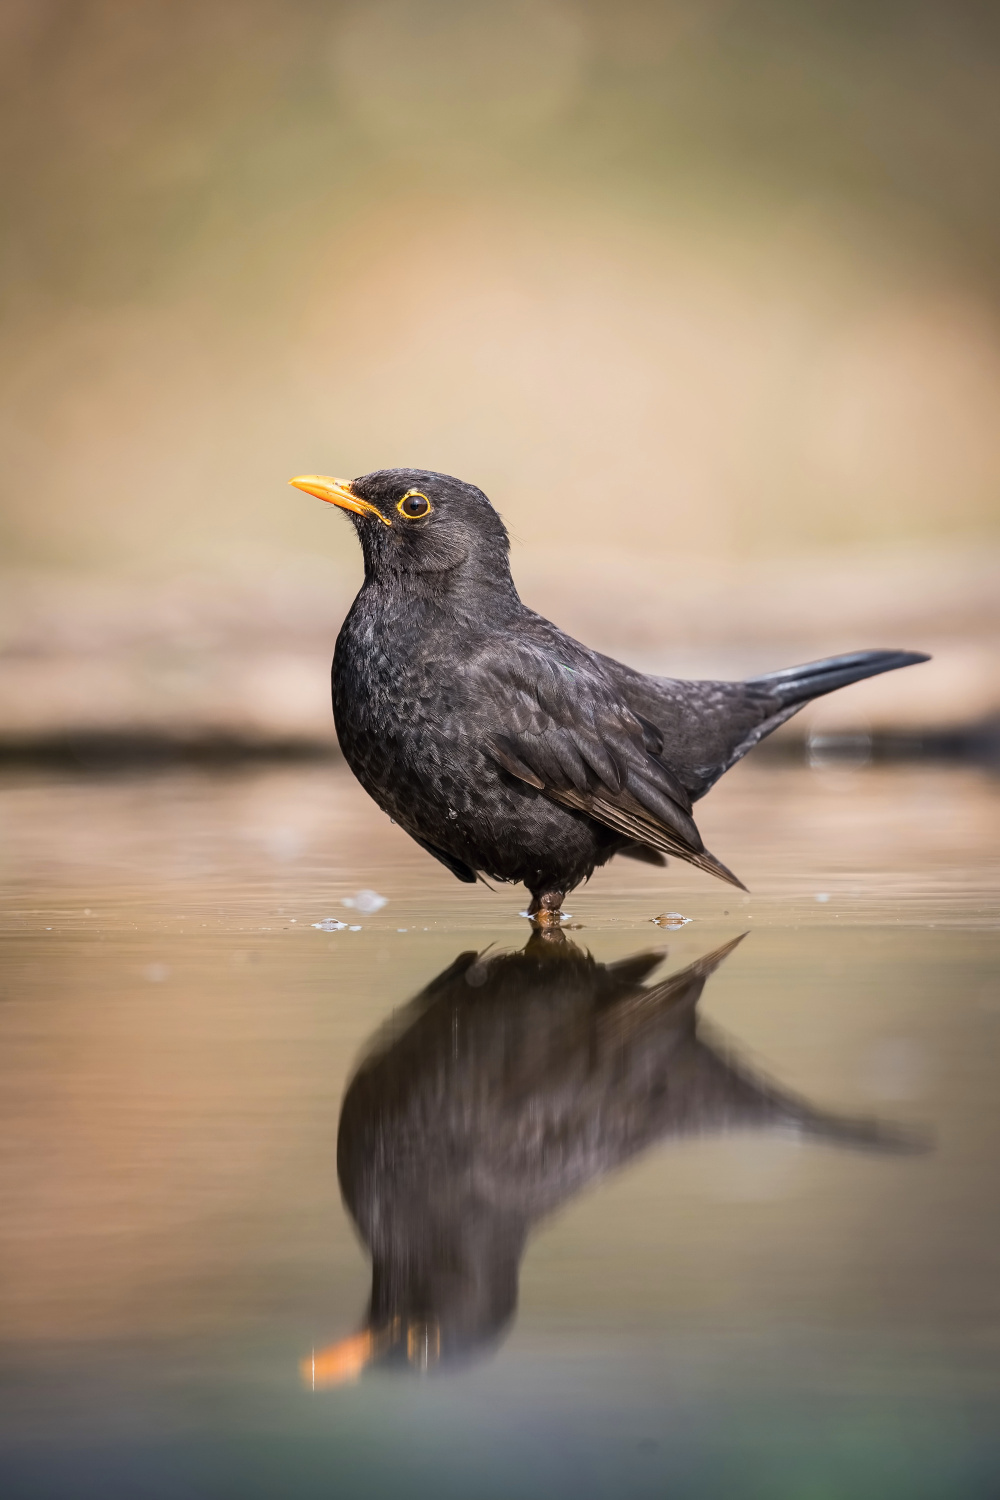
(704, 295)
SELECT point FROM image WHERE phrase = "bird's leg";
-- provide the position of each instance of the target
(545, 909)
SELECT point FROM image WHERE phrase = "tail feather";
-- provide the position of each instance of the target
(708, 726)
(795, 685)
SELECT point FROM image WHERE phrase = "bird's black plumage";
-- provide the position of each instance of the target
(511, 1083)
(502, 745)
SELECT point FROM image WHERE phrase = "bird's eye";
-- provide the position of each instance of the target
(414, 505)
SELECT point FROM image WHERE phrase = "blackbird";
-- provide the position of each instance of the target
(503, 746)
(509, 1085)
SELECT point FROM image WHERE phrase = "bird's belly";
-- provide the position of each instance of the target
(453, 795)
(415, 744)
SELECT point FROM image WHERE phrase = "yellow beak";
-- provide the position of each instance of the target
(337, 492)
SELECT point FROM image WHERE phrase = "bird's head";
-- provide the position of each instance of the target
(412, 521)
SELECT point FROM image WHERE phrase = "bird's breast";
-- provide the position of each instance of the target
(398, 703)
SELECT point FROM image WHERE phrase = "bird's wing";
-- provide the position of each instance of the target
(566, 731)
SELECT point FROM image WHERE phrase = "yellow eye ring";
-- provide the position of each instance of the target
(414, 505)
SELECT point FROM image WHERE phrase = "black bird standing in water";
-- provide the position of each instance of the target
(502, 745)
(511, 1083)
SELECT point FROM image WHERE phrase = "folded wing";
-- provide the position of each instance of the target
(567, 732)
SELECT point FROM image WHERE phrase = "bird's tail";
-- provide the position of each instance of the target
(859, 1131)
(746, 712)
(793, 686)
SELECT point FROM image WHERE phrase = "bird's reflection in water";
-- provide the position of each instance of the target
(510, 1083)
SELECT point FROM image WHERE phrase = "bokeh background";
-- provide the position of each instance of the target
(703, 293)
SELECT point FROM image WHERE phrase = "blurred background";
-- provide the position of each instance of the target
(704, 295)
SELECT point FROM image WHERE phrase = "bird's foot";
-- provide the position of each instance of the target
(546, 909)
(545, 918)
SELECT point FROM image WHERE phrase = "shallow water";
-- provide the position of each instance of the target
(752, 1237)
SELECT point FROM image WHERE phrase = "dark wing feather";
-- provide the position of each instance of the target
(566, 731)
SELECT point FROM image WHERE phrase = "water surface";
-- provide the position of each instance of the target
(630, 1240)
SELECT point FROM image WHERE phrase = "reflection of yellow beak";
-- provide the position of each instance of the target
(338, 1363)
(337, 492)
